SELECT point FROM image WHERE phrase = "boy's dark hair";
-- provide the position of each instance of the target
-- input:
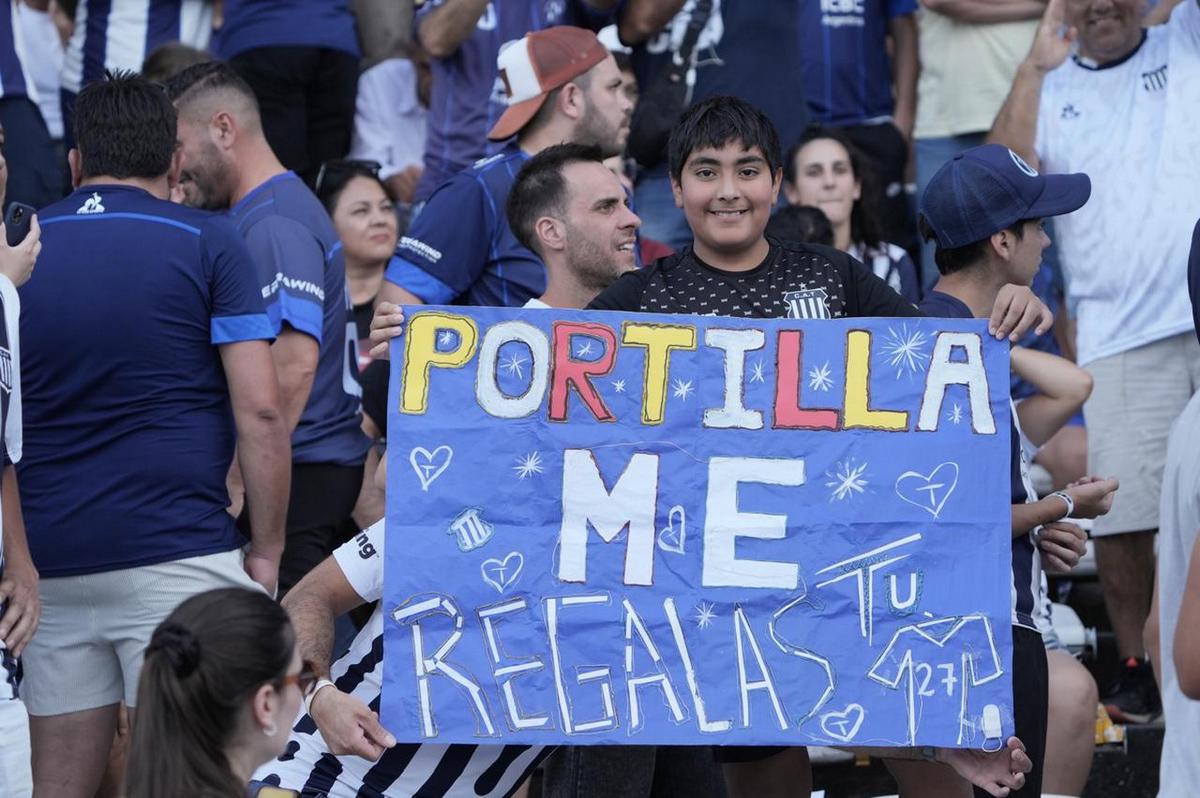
(199, 79)
(954, 260)
(866, 217)
(803, 224)
(541, 189)
(124, 127)
(714, 123)
(168, 60)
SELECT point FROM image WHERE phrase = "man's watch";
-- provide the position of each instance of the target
(320, 685)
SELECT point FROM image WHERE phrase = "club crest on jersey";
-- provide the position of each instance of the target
(812, 303)
(92, 205)
(6, 370)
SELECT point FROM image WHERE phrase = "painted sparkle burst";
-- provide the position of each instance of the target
(512, 365)
(445, 338)
(529, 465)
(584, 349)
(903, 349)
(704, 615)
(819, 378)
(756, 372)
(956, 414)
(619, 386)
(846, 480)
(681, 390)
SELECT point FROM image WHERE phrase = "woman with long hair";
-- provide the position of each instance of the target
(825, 170)
(221, 686)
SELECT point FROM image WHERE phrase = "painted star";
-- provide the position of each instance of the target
(681, 390)
(445, 338)
(528, 465)
(704, 615)
(619, 386)
(756, 373)
(585, 349)
(848, 479)
(513, 363)
(956, 414)
(903, 349)
(819, 378)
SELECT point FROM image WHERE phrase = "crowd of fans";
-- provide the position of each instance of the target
(215, 209)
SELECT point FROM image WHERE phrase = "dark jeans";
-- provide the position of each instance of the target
(634, 771)
(306, 95)
(35, 167)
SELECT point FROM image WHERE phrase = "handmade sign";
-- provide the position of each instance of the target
(649, 529)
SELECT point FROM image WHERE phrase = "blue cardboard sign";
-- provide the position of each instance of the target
(648, 529)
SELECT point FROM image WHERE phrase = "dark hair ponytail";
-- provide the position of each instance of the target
(202, 663)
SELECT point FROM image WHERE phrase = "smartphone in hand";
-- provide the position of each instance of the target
(17, 222)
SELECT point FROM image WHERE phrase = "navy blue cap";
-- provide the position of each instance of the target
(986, 189)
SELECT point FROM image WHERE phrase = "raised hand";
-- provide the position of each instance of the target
(1054, 39)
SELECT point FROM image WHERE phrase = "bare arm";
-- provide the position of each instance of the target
(987, 11)
(1159, 14)
(384, 29)
(446, 27)
(642, 19)
(1093, 496)
(19, 588)
(1016, 124)
(1187, 631)
(1062, 389)
(905, 66)
(264, 453)
(295, 356)
(371, 499)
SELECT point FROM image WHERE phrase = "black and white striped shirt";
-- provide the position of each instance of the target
(408, 769)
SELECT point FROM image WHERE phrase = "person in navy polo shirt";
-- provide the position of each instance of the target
(984, 211)
(301, 59)
(563, 86)
(146, 357)
(227, 163)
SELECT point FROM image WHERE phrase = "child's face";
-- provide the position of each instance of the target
(727, 194)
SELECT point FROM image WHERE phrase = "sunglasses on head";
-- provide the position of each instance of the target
(342, 166)
(305, 678)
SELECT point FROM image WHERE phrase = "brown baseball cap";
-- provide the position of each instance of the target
(537, 64)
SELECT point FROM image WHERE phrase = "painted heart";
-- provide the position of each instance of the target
(842, 726)
(673, 536)
(928, 491)
(430, 465)
(502, 574)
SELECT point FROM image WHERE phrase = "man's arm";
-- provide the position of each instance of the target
(448, 25)
(641, 19)
(905, 66)
(384, 29)
(987, 11)
(346, 723)
(295, 357)
(264, 453)
(1016, 124)
(1187, 631)
(1160, 13)
(19, 588)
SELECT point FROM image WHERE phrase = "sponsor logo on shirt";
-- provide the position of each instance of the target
(841, 13)
(92, 205)
(421, 248)
(366, 549)
(810, 304)
(301, 286)
(553, 11)
(6, 370)
(1155, 79)
(1069, 112)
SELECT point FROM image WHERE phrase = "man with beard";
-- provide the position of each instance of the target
(562, 86)
(228, 164)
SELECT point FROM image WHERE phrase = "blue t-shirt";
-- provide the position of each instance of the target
(14, 82)
(250, 24)
(1026, 576)
(847, 73)
(129, 431)
(467, 95)
(746, 49)
(301, 273)
(460, 249)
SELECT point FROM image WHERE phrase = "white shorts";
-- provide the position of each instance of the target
(88, 649)
(1137, 397)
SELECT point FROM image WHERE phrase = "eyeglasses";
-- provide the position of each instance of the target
(305, 678)
(342, 165)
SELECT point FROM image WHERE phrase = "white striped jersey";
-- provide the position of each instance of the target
(10, 425)
(408, 769)
(119, 34)
(15, 79)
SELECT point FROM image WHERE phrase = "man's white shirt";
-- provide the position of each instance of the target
(1134, 128)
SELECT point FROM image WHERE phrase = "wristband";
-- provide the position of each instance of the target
(308, 699)
(1066, 497)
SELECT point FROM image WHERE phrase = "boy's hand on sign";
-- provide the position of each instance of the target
(386, 324)
(1017, 311)
(1062, 545)
(1093, 496)
(348, 725)
(998, 772)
